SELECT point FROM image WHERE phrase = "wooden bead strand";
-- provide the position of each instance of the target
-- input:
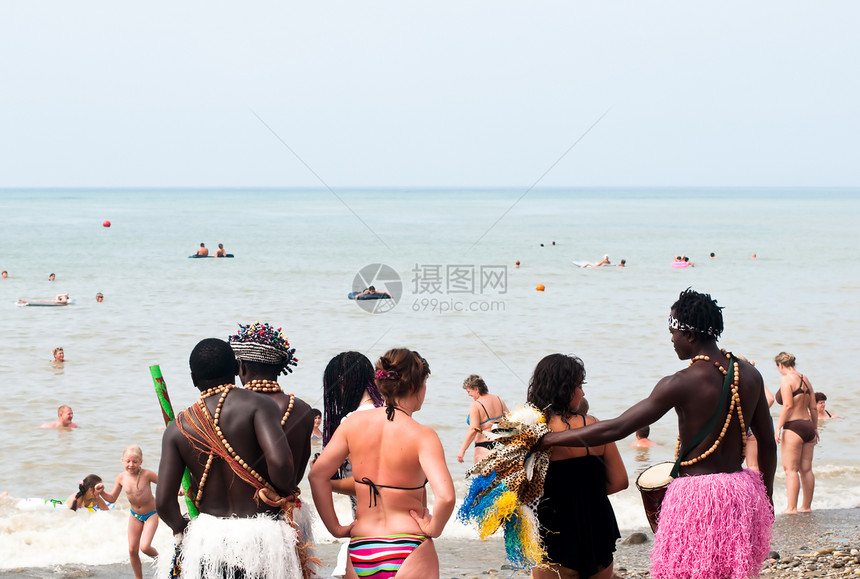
(225, 389)
(267, 386)
(270, 387)
(735, 404)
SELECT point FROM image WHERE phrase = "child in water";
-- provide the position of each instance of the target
(89, 495)
(143, 520)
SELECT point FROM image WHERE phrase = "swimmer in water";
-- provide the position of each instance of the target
(88, 495)
(64, 417)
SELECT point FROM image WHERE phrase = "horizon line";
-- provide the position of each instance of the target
(296, 188)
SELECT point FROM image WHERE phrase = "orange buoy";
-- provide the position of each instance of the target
(105, 223)
(540, 287)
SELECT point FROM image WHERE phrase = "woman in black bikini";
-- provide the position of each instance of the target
(578, 526)
(797, 432)
(485, 411)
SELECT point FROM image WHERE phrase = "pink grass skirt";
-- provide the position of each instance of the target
(713, 527)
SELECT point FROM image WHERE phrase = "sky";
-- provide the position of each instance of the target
(444, 94)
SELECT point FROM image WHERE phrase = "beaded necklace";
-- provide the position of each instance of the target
(224, 390)
(735, 404)
(271, 387)
(263, 386)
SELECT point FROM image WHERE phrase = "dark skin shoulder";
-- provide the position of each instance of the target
(299, 425)
(298, 429)
(694, 393)
(251, 425)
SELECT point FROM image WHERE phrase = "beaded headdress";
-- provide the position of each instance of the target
(676, 324)
(264, 344)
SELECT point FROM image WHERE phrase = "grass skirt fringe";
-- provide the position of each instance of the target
(263, 547)
(712, 527)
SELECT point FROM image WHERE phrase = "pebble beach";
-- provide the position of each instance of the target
(823, 543)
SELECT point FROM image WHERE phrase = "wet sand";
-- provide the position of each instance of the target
(804, 542)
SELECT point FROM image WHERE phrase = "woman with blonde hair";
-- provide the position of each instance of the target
(486, 410)
(393, 457)
(798, 423)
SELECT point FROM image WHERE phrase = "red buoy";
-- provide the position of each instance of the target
(105, 223)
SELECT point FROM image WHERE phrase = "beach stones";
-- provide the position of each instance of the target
(823, 562)
(635, 539)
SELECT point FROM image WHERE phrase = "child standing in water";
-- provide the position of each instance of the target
(89, 495)
(143, 520)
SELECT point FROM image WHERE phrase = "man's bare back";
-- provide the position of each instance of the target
(223, 494)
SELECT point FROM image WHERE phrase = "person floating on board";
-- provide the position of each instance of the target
(371, 291)
(604, 261)
(203, 251)
(58, 299)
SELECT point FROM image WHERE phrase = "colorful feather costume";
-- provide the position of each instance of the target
(506, 485)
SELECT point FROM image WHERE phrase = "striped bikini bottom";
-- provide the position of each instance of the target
(381, 557)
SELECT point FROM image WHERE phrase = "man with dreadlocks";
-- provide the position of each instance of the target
(715, 520)
(263, 354)
(242, 472)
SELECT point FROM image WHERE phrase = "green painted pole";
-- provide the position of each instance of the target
(167, 414)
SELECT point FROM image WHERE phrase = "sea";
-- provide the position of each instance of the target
(785, 270)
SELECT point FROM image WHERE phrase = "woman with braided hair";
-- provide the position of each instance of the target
(393, 458)
(578, 526)
(348, 387)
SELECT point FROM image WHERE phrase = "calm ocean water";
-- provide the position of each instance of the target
(297, 255)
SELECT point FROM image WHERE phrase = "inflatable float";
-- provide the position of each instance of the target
(376, 296)
(43, 303)
(195, 256)
(681, 264)
(37, 504)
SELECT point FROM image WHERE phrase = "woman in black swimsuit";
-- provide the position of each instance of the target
(797, 432)
(578, 526)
